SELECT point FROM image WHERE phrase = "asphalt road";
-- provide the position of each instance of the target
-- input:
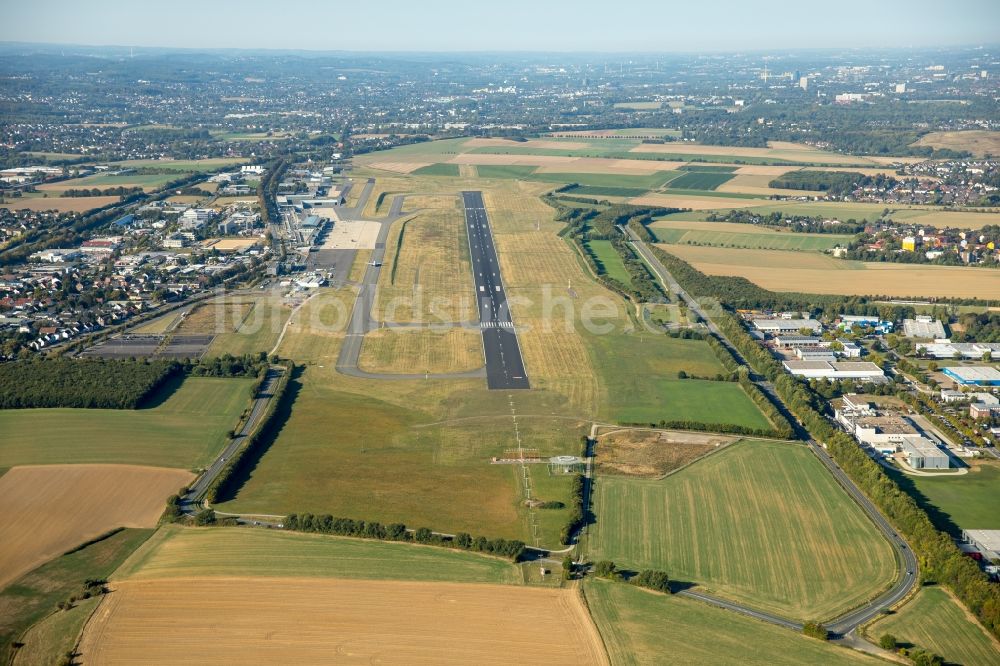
(504, 365)
(191, 502)
(906, 561)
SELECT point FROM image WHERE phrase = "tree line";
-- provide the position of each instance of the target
(120, 191)
(327, 524)
(941, 560)
(836, 183)
(98, 383)
(93, 383)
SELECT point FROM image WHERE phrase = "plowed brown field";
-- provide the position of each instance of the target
(46, 510)
(309, 621)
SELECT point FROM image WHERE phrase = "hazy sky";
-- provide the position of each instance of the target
(505, 25)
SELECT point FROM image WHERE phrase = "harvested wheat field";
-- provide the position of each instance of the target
(817, 273)
(61, 204)
(308, 621)
(46, 510)
(977, 142)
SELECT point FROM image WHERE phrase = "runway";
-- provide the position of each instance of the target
(504, 365)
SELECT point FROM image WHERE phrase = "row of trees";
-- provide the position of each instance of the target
(651, 579)
(361, 529)
(85, 383)
(120, 191)
(578, 511)
(940, 560)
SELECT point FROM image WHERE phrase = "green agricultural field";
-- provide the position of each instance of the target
(356, 455)
(934, 621)
(638, 374)
(47, 642)
(610, 260)
(970, 501)
(35, 595)
(504, 171)
(197, 166)
(594, 191)
(706, 168)
(439, 169)
(104, 181)
(678, 234)
(643, 628)
(185, 552)
(778, 534)
(700, 180)
(608, 180)
(186, 431)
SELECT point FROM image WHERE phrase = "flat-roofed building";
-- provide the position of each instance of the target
(923, 327)
(779, 326)
(836, 370)
(974, 375)
(922, 453)
(792, 341)
(986, 542)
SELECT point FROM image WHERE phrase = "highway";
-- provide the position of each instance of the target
(504, 365)
(191, 502)
(906, 560)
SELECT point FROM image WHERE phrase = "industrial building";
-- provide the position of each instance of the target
(975, 375)
(836, 370)
(889, 434)
(970, 350)
(779, 326)
(986, 542)
(805, 341)
(923, 327)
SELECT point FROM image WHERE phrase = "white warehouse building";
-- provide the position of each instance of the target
(863, 370)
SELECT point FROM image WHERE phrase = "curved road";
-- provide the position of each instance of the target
(906, 560)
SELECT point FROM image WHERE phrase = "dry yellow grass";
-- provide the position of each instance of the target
(539, 269)
(47, 509)
(822, 274)
(302, 621)
(412, 351)
(977, 142)
(61, 204)
(431, 278)
(399, 167)
(218, 316)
